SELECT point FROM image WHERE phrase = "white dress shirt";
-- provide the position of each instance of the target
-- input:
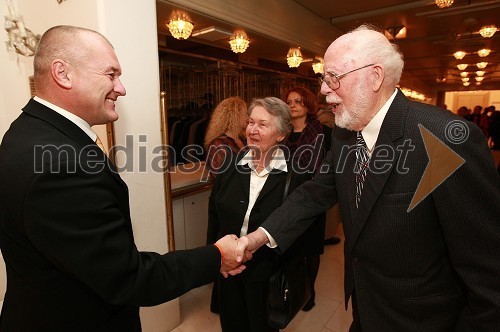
(82, 124)
(257, 181)
(372, 129)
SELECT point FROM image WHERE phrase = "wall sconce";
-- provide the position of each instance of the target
(462, 66)
(444, 3)
(21, 39)
(488, 31)
(464, 74)
(480, 73)
(481, 65)
(483, 52)
(318, 66)
(395, 32)
(459, 55)
(294, 57)
(239, 41)
(180, 25)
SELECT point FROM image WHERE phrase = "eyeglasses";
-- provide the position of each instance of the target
(333, 80)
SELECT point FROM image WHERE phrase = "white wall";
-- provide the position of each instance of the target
(130, 25)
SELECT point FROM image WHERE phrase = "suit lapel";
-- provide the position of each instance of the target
(274, 178)
(71, 130)
(391, 131)
(243, 174)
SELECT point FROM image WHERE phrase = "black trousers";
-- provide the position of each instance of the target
(242, 305)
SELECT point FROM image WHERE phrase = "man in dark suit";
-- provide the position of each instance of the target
(429, 266)
(65, 228)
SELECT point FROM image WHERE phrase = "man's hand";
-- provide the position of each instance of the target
(248, 244)
(227, 246)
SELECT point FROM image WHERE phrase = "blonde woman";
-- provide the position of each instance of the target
(223, 138)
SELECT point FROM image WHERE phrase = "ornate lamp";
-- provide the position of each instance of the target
(239, 41)
(318, 66)
(488, 31)
(21, 39)
(294, 57)
(180, 25)
(443, 3)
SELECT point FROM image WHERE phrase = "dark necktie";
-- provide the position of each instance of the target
(362, 159)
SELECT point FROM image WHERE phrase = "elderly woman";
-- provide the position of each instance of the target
(242, 198)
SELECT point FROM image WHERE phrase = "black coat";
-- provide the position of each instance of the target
(434, 268)
(66, 236)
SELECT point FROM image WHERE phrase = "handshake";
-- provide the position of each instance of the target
(235, 252)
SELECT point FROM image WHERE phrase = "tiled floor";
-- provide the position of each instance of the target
(328, 315)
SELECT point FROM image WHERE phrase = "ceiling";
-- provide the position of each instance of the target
(433, 35)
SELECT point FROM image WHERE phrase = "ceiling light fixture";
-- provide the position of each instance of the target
(478, 83)
(465, 79)
(466, 83)
(488, 31)
(462, 66)
(459, 55)
(481, 65)
(479, 79)
(464, 74)
(180, 25)
(480, 73)
(483, 52)
(318, 66)
(294, 57)
(444, 3)
(239, 41)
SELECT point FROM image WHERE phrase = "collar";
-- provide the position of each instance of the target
(82, 124)
(278, 161)
(371, 131)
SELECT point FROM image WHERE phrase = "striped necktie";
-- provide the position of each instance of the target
(362, 160)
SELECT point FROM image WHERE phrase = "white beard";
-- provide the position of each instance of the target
(350, 118)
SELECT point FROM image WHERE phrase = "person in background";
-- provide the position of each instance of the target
(308, 133)
(65, 229)
(223, 141)
(428, 266)
(242, 197)
(225, 133)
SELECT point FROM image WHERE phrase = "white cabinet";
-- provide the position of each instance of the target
(190, 214)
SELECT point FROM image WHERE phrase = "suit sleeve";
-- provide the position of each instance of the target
(468, 207)
(303, 206)
(81, 223)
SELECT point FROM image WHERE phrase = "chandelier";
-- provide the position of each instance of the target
(318, 66)
(466, 83)
(459, 55)
(294, 57)
(465, 79)
(464, 74)
(479, 79)
(481, 65)
(21, 39)
(462, 66)
(480, 73)
(444, 3)
(180, 25)
(239, 41)
(488, 31)
(483, 52)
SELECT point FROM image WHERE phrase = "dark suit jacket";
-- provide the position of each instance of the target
(435, 268)
(228, 205)
(66, 235)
